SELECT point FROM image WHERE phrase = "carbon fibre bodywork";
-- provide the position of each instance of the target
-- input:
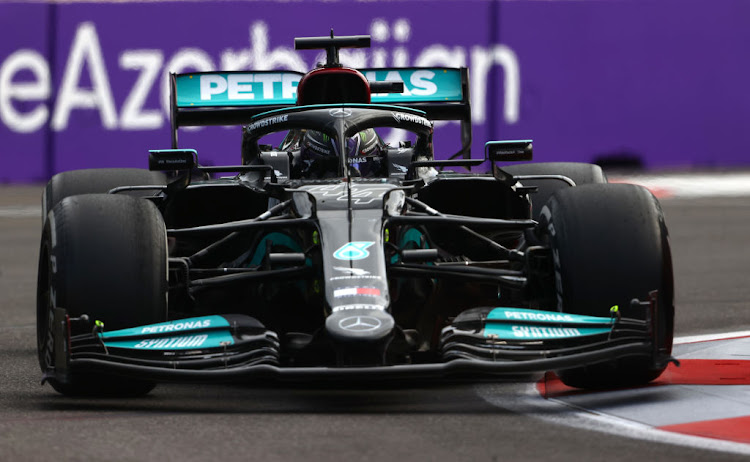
(420, 271)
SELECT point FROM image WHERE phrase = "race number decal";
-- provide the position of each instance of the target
(353, 251)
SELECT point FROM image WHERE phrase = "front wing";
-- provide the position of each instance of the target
(237, 348)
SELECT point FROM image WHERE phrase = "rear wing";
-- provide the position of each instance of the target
(233, 98)
(228, 98)
(441, 92)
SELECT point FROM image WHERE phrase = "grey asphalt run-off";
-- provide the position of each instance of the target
(405, 421)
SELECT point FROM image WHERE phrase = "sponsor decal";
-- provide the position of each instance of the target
(189, 341)
(178, 326)
(353, 251)
(350, 278)
(545, 332)
(529, 316)
(352, 271)
(511, 332)
(404, 117)
(358, 307)
(430, 84)
(268, 121)
(400, 168)
(237, 89)
(354, 291)
(544, 317)
(360, 323)
(325, 150)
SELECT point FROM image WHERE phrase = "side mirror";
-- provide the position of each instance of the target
(508, 151)
(172, 159)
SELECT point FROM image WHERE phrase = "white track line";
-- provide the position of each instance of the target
(524, 398)
(28, 211)
(711, 337)
(692, 185)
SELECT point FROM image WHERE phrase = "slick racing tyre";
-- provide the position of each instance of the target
(610, 246)
(105, 256)
(97, 181)
(580, 173)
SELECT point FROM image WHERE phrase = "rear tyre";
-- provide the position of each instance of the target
(97, 181)
(580, 173)
(611, 245)
(104, 256)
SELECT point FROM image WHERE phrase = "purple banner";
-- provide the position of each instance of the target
(84, 85)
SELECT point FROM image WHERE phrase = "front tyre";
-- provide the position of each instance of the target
(98, 181)
(610, 245)
(104, 256)
(580, 173)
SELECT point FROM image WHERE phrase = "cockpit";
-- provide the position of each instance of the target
(325, 141)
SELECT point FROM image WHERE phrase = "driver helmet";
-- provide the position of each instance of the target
(319, 154)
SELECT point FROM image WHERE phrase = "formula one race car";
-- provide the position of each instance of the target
(330, 254)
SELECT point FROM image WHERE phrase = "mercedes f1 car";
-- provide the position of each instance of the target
(330, 254)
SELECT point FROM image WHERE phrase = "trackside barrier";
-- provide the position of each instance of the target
(658, 83)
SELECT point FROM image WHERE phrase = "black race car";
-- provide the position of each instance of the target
(329, 253)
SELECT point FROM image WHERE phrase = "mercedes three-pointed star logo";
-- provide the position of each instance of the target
(340, 112)
(360, 323)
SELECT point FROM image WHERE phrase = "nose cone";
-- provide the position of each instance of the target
(359, 326)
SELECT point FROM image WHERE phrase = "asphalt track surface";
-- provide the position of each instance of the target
(412, 421)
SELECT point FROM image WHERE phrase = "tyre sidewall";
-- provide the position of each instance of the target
(103, 256)
(610, 245)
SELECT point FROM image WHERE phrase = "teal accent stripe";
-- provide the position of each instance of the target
(279, 239)
(237, 89)
(410, 240)
(181, 326)
(189, 341)
(339, 105)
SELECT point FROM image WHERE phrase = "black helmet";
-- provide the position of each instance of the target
(319, 154)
